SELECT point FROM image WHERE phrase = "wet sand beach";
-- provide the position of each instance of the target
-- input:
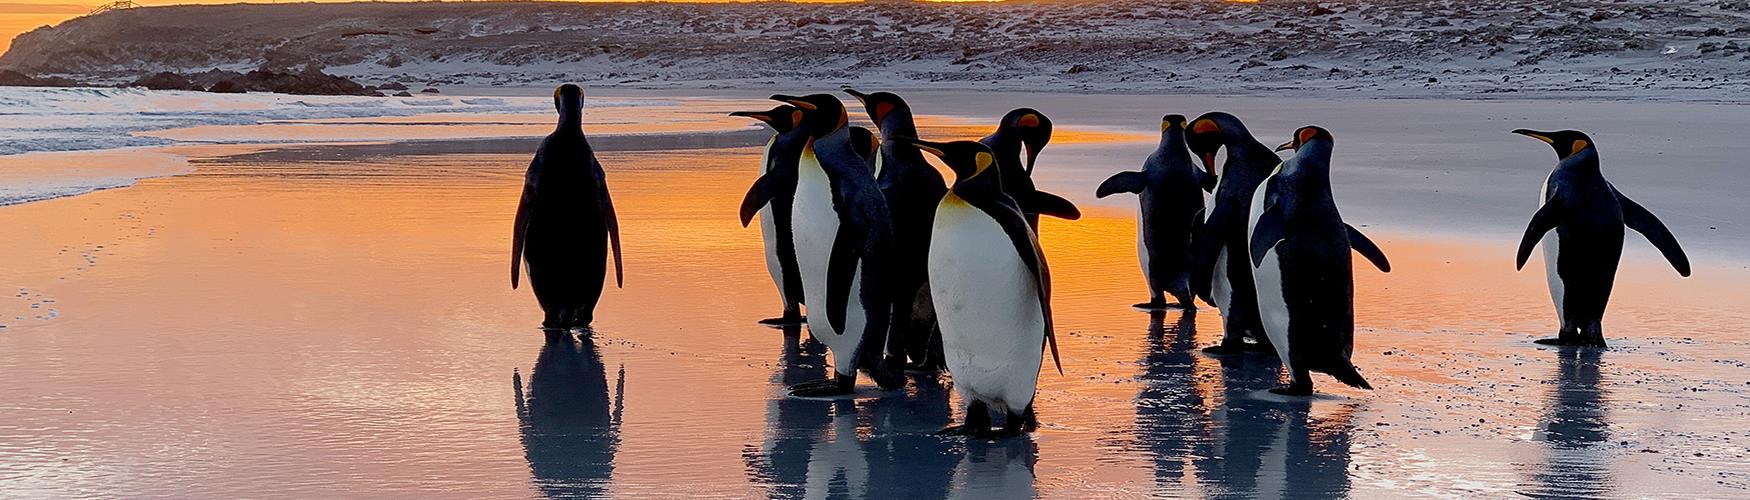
(335, 320)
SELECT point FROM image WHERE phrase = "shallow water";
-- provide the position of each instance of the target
(335, 321)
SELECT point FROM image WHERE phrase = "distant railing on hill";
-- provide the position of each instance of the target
(123, 4)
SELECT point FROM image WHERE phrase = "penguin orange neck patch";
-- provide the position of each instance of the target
(1205, 126)
(881, 111)
(1028, 120)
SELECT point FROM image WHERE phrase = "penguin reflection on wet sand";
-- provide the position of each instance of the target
(992, 292)
(1170, 189)
(1219, 271)
(569, 431)
(565, 222)
(912, 187)
(778, 170)
(1300, 250)
(1575, 431)
(843, 248)
(1026, 129)
(1580, 223)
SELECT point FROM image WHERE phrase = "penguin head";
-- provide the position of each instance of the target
(1306, 134)
(882, 105)
(1205, 136)
(1033, 128)
(822, 114)
(1170, 122)
(568, 99)
(968, 159)
(782, 118)
(1566, 142)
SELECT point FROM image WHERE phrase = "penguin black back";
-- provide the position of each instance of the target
(565, 222)
(1170, 191)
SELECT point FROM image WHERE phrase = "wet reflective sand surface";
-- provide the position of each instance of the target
(333, 321)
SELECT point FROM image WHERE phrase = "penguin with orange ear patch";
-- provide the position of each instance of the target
(778, 178)
(1026, 129)
(1299, 253)
(1580, 224)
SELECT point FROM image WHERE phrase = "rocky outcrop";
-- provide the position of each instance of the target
(9, 78)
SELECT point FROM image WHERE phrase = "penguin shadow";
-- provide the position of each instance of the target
(569, 430)
(1575, 430)
(882, 447)
(1271, 448)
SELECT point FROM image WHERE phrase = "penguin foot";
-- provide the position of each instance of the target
(784, 321)
(1260, 348)
(889, 375)
(1153, 305)
(1293, 390)
(823, 388)
(958, 430)
(1571, 342)
(1225, 349)
(925, 368)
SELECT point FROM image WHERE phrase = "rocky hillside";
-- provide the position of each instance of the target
(1383, 46)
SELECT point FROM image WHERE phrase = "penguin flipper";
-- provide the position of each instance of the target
(1366, 248)
(518, 229)
(611, 222)
(1268, 232)
(841, 269)
(1207, 244)
(1043, 203)
(1545, 219)
(1122, 182)
(1205, 180)
(758, 195)
(1637, 217)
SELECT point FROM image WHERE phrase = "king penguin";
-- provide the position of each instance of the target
(780, 244)
(912, 187)
(565, 222)
(992, 291)
(1299, 249)
(1219, 273)
(843, 248)
(1170, 189)
(1026, 129)
(1587, 215)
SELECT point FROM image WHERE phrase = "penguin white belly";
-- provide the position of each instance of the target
(1267, 277)
(769, 230)
(814, 226)
(987, 303)
(1552, 251)
(1142, 250)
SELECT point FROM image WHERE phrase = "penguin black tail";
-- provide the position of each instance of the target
(1347, 374)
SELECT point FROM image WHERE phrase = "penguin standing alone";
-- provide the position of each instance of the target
(1219, 273)
(912, 187)
(1170, 188)
(1587, 215)
(1026, 129)
(1299, 253)
(992, 291)
(565, 222)
(775, 216)
(843, 247)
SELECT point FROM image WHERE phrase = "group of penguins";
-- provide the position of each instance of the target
(901, 269)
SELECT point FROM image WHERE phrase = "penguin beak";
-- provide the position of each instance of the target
(1286, 146)
(934, 148)
(795, 101)
(1209, 162)
(1033, 143)
(757, 115)
(861, 97)
(1535, 135)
